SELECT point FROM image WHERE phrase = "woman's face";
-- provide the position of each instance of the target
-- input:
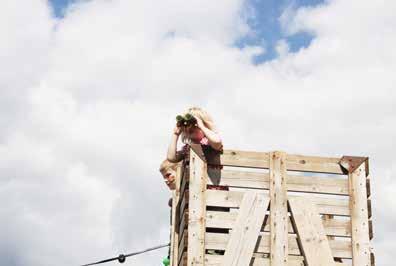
(195, 134)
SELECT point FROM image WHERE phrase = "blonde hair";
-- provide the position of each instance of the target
(204, 116)
(166, 165)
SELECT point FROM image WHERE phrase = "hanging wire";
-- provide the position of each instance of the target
(121, 258)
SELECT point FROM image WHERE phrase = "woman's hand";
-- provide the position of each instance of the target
(177, 130)
(200, 123)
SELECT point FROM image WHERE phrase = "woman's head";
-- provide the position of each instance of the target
(193, 133)
(168, 171)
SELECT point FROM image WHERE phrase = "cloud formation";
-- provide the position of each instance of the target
(88, 104)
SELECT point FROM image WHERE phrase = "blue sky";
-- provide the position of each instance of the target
(266, 24)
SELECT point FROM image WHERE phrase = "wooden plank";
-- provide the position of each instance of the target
(184, 180)
(359, 217)
(232, 199)
(183, 259)
(240, 247)
(310, 231)
(183, 243)
(216, 260)
(313, 164)
(175, 221)
(333, 227)
(196, 210)
(183, 203)
(298, 183)
(278, 209)
(183, 223)
(372, 258)
(293, 162)
(174, 234)
(244, 159)
(339, 248)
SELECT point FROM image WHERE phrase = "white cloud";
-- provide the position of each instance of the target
(88, 104)
(282, 48)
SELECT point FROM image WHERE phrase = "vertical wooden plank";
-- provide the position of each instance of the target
(245, 233)
(310, 231)
(278, 209)
(359, 217)
(175, 233)
(196, 210)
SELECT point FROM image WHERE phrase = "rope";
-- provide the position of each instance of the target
(121, 258)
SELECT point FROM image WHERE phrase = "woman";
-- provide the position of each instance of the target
(202, 132)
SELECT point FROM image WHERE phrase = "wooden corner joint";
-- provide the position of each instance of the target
(351, 163)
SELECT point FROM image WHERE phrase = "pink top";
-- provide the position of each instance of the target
(204, 141)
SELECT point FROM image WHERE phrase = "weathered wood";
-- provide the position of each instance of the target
(359, 217)
(183, 203)
(183, 222)
(252, 173)
(351, 163)
(183, 243)
(196, 210)
(339, 248)
(175, 219)
(313, 164)
(233, 199)
(183, 259)
(333, 227)
(278, 209)
(243, 238)
(244, 159)
(293, 162)
(216, 260)
(298, 183)
(310, 231)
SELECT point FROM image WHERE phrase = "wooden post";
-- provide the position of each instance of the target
(175, 233)
(196, 210)
(278, 209)
(359, 216)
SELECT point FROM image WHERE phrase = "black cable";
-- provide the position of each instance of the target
(121, 258)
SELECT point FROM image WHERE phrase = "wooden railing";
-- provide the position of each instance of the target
(239, 208)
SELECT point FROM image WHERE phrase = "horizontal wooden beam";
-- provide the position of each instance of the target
(295, 183)
(216, 260)
(255, 159)
(340, 248)
(232, 199)
(226, 220)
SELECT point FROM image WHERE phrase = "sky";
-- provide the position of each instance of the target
(90, 90)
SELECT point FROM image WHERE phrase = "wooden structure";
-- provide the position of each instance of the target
(240, 208)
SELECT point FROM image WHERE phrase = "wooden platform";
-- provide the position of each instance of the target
(240, 208)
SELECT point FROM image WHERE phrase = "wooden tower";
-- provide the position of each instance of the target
(241, 208)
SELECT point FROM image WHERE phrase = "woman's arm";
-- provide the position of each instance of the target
(173, 155)
(213, 137)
